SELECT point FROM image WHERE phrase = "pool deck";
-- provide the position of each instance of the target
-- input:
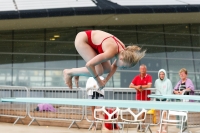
(19, 128)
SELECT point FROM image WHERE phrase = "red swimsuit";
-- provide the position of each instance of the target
(98, 48)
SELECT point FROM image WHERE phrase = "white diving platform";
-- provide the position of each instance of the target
(187, 106)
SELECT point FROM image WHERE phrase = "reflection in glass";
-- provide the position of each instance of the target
(195, 31)
(197, 82)
(60, 41)
(195, 34)
(31, 61)
(22, 77)
(197, 66)
(5, 41)
(127, 34)
(5, 60)
(175, 52)
(154, 64)
(175, 65)
(152, 51)
(6, 76)
(177, 35)
(54, 78)
(150, 35)
(29, 41)
(60, 62)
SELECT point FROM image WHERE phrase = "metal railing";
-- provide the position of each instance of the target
(63, 112)
(9, 109)
(70, 112)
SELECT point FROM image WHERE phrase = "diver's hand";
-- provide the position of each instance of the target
(101, 83)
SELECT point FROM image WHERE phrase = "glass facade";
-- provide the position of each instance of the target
(37, 57)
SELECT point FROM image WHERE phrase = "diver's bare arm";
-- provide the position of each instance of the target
(113, 70)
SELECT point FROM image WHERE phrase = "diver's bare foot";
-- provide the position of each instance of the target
(76, 81)
(67, 78)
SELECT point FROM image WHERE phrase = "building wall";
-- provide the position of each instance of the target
(32, 58)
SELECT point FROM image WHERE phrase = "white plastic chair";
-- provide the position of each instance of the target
(169, 121)
(111, 117)
(136, 119)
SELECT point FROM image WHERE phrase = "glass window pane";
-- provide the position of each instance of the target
(79, 29)
(80, 62)
(150, 35)
(197, 81)
(175, 65)
(30, 78)
(60, 62)
(153, 51)
(195, 34)
(5, 41)
(176, 52)
(177, 35)
(154, 64)
(103, 28)
(29, 41)
(5, 60)
(123, 79)
(6, 76)
(28, 61)
(197, 72)
(54, 78)
(60, 41)
(196, 53)
(197, 66)
(127, 34)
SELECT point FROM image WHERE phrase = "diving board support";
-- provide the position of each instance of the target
(73, 122)
(33, 121)
(112, 103)
(18, 119)
(91, 126)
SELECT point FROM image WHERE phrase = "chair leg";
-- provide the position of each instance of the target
(102, 126)
(160, 127)
(127, 128)
(123, 128)
(113, 126)
(181, 124)
(148, 127)
(95, 127)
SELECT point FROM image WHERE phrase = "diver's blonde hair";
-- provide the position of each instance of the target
(132, 54)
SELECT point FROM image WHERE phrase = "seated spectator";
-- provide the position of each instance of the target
(163, 86)
(185, 84)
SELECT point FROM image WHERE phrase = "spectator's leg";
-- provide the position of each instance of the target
(94, 124)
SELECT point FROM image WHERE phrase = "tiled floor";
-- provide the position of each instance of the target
(19, 128)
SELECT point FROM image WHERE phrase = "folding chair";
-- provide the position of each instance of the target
(111, 117)
(136, 119)
(169, 121)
